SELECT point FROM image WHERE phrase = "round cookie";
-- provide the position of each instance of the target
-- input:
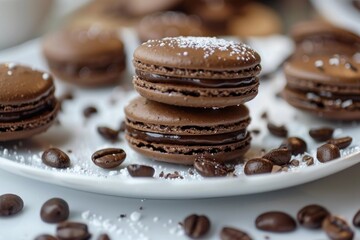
(180, 135)
(87, 57)
(327, 86)
(27, 102)
(169, 24)
(196, 71)
(317, 38)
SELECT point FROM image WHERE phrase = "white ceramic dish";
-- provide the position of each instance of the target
(80, 136)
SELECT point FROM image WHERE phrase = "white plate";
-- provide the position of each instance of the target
(80, 136)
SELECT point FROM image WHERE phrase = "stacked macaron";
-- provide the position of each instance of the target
(323, 75)
(192, 92)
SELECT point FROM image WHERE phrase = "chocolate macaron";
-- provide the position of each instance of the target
(90, 57)
(27, 102)
(180, 135)
(196, 71)
(328, 86)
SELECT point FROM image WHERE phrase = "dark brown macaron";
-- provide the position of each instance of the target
(328, 86)
(86, 56)
(196, 71)
(169, 24)
(319, 37)
(181, 135)
(27, 102)
(140, 8)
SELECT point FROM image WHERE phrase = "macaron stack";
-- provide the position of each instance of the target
(192, 92)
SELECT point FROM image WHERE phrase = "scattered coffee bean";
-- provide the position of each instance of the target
(209, 168)
(275, 222)
(337, 228)
(341, 142)
(54, 210)
(89, 111)
(312, 216)
(309, 160)
(279, 131)
(276, 168)
(108, 133)
(258, 166)
(295, 163)
(356, 219)
(228, 233)
(321, 134)
(280, 156)
(122, 127)
(196, 226)
(56, 158)
(295, 145)
(72, 231)
(109, 157)
(327, 152)
(173, 175)
(136, 170)
(45, 237)
(10, 204)
(103, 236)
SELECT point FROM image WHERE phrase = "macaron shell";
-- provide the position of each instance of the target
(194, 96)
(197, 53)
(186, 155)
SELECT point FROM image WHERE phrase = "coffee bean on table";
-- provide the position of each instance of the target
(312, 216)
(72, 231)
(278, 131)
(228, 233)
(10, 204)
(137, 170)
(258, 166)
(209, 168)
(196, 226)
(275, 222)
(54, 210)
(103, 236)
(342, 143)
(321, 134)
(280, 156)
(109, 157)
(356, 219)
(337, 228)
(56, 158)
(45, 237)
(327, 152)
(89, 111)
(295, 145)
(108, 133)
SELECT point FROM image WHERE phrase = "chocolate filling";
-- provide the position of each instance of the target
(209, 83)
(189, 140)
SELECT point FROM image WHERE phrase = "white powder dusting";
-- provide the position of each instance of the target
(319, 63)
(135, 216)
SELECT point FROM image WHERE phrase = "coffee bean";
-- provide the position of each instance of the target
(321, 134)
(295, 163)
(312, 216)
(137, 170)
(89, 111)
(356, 219)
(275, 222)
(295, 145)
(209, 168)
(308, 159)
(72, 231)
(109, 157)
(196, 226)
(228, 233)
(54, 210)
(327, 152)
(104, 236)
(280, 156)
(56, 158)
(258, 166)
(108, 133)
(45, 237)
(10, 204)
(337, 228)
(341, 142)
(279, 131)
